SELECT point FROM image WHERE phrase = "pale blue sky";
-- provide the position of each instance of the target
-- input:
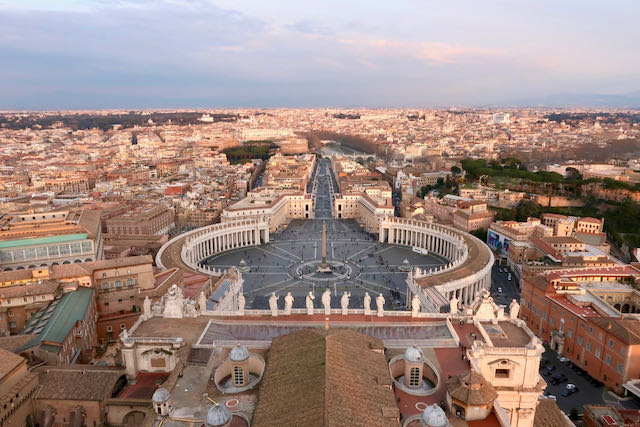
(233, 53)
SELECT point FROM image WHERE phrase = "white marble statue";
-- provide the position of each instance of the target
(273, 304)
(415, 306)
(453, 305)
(380, 305)
(514, 309)
(202, 302)
(173, 303)
(146, 307)
(326, 301)
(241, 302)
(288, 303)
(344, 302)
(367, 304)
(309, 302)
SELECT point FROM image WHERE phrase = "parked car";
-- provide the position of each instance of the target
(569, 390)
(499, 290)
(543, 363)
(558, 379)
(548, 370)
(550, 396)
(562, 359)
(509, 276)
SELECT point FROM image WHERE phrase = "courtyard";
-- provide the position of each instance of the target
(359, 264)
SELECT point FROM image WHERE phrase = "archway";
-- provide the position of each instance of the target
(616, 306)
(66, 262)
(133, 419)
(625, 308)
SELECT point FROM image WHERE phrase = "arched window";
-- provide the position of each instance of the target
(238, 376)
(414, 377)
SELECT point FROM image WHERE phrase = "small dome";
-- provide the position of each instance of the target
(239, 353)
(218, 415)
(413, 354)
(434, 416)
(160, 395)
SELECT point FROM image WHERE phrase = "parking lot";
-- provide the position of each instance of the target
(588, 393)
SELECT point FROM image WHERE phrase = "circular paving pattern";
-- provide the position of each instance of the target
(359, 264)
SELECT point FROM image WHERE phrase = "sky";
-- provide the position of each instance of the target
(93, 54)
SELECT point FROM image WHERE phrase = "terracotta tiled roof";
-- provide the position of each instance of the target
(77, 382)
(326, 378)
(626, 330)
(548, 414)
(8, 362)
(471, 388)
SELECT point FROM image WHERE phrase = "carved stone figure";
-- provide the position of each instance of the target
(146, 307)
(453, 305)
(514, 309)
(273, 304)
(309, 302)
(202, 302)
(380, 305)
(344, 302)
(326, 301)
(174, 303)
(241, 302)
(415, 306)
(288, 303)
(367, 304)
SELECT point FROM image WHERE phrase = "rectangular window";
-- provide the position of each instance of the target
(607, 359)
(130, 282)
(76, 248)
(619, 368)
(118, 284)
(569, 333)
(579, 340)
(42, 252)
(238, 376)
(600, 336)
(611, 343)
(597, 352)
(502, 373)
(588, 347)
(590, 330)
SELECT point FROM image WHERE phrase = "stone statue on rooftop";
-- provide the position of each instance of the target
(367, 304)
(202, 302)
(453, 305)
(326, 301)
(146, 307)
(415, 306)
(344, 302)
(241, 302)
(514, 309)
(273, 304)
(309, 302)
(380, 305)
(288, 303)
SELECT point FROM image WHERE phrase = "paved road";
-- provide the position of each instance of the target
(324, 189)
(500, 281)
(587, 393)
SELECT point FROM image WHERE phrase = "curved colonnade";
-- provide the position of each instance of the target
(197, 245)
(468, 270)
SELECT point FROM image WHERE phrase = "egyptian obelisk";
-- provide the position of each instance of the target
(324, 268)
(324, 245)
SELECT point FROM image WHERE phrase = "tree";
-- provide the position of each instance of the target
(573, 173)
(455, 170)
(527, 208)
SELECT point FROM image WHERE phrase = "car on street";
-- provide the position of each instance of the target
(550, 396)
(558, 379)
(548, 370)
(569, 390)
(562, 359)
(509, 276)
(499, 290)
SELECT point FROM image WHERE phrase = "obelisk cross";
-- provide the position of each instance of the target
(324, 245)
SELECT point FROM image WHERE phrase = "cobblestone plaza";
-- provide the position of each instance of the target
(359, 264)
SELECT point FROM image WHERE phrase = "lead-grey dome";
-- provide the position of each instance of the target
(239, 353)
(160, 395)
(434, 416)
(218, 415)
(413, 354)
